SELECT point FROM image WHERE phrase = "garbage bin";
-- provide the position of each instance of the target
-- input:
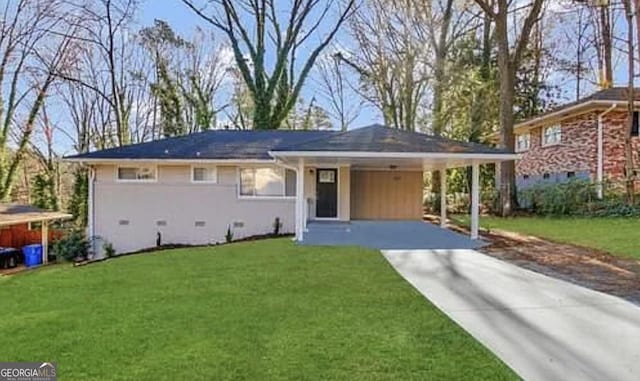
(32, 255)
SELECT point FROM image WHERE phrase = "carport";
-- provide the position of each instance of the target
(376, 174)
(14, 215)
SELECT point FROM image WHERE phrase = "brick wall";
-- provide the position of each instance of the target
(577, 152)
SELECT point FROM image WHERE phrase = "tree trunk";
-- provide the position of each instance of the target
(507, 96)
(605, 27)
(628, 148)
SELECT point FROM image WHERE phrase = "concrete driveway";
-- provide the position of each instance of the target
(386, 235)
(543, 328)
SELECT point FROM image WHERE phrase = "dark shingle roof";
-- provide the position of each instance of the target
(214, 144)
(233, 144)
(377, 138)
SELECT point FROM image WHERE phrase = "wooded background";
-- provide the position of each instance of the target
(84, 75)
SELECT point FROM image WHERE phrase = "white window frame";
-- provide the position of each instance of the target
(528, 139)
(212, 167)
(545, 143)
(153, 167)
(255, 197)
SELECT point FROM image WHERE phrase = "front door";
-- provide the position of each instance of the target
(326, 193)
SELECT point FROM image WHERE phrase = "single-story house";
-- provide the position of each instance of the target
(191, 189)
(582, 139)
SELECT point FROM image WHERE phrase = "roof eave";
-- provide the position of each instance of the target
(564, 113)
(398, 155)
(84, 160)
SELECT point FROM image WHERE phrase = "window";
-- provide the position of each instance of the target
(142, 173)
(203, 174)
(551, 135)
(267, 182)
(523, 142)
(635, 131)
(571, 174)
(546, 176)
(526, 177)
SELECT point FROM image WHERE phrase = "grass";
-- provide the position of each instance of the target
(267, 310)
(618, 236)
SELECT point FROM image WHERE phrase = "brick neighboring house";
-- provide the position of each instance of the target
(564, 143)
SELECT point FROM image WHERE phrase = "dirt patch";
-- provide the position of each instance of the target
(584, 266)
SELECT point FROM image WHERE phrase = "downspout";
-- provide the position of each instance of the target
(600, 168)
(90, 209)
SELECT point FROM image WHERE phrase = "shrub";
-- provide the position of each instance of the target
(228, 237)
(611, 207)
(576, 197)
(109, 251)
(557, 199)
(74, 245)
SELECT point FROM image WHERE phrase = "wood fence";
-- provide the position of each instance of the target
(17, 236)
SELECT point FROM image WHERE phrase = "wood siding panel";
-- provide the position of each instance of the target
(386, 195)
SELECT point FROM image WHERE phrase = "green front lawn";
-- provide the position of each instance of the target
(248, 311)
(618, 236)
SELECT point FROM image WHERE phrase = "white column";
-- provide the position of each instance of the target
(300, 204)
(45, 241)
(443, 197)
(475, 199)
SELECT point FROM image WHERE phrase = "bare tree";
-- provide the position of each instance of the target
(391, 59)
(344, 104)
(509, 59)
(104, 26)
(276, 90)
(33, 48)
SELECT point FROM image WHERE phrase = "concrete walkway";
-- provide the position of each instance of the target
(543, 328)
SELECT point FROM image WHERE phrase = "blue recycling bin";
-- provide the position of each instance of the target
(32, 255)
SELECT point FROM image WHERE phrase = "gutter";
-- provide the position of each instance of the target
(600, 148)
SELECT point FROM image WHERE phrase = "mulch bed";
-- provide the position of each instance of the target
(584, 266)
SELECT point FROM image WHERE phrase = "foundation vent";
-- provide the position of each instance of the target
(123, 222)
(161, 223)
(200, 224)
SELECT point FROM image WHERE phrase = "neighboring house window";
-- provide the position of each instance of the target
(551, 135)
(203, 174)
(635, 131)
(571, 174)
(138, 173)
(546, 176)
(267, 182)
(523, 142)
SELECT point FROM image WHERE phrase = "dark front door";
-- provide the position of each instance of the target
(327, 193)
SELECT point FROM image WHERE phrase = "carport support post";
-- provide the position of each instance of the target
(300, 204)
(475, 199)
(443, 198)
(45, 241)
